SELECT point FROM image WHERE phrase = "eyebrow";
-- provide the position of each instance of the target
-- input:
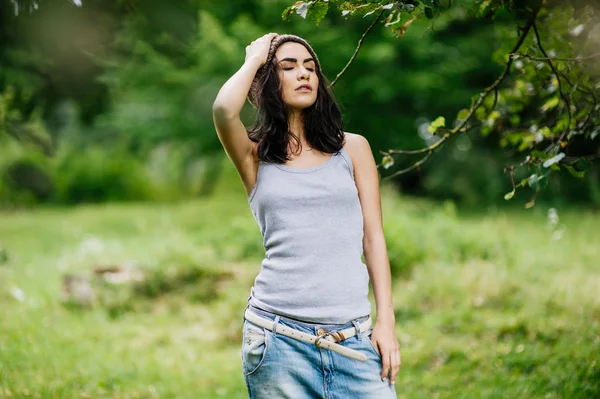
(295, 60)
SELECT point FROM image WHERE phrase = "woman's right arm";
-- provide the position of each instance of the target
(228, 105)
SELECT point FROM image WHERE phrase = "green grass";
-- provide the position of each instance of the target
(488, 304)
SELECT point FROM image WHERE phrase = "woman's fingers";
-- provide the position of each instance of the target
(396, 361)
(385, 362)
(259, 47)
(391, 361)
(268, 36)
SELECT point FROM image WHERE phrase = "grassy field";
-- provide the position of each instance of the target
(496, 304)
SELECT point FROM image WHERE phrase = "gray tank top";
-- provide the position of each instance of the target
(312, 226)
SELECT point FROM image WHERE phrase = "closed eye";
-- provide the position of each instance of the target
(290, 68)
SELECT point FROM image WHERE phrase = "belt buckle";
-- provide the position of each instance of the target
(337, 336)
(320, 335)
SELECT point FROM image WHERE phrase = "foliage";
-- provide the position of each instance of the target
(546, 110)
(137, 79)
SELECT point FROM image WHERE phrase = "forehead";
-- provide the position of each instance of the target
(292, 50)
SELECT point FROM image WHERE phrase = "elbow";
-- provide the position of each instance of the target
(218, 108)
(222, 111)
(371, 241)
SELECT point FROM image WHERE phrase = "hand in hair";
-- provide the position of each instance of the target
(259, 48)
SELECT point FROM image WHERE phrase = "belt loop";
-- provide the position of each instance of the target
(244, 313)
(357, 327)
(275, 325)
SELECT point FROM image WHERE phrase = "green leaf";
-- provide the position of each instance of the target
(553, 160)
(494, 115)
(535, 179)
(462, 114)
(508, 196)
(546, 132)
(523, 182)
(318, 11)
(302, 9)
(561, 123)
(539, 154)
(428, 12)
(575, 173)
(285, 15)
(528, 139)
(370, 8)
(387, 162)
(551, 103)
(439, 122)
(480, 113)
(515, 138)
(485, 4)
(583, 164)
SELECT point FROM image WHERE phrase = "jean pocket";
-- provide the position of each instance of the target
(367, 337)
(254, 347)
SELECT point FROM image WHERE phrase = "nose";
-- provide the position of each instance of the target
(304, 74)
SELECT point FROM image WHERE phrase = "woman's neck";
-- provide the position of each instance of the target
(297, 127)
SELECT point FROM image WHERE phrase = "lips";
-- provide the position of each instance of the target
(304, 88)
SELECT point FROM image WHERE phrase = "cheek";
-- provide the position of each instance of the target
(286, 89)
(288, 80)
(288, 85)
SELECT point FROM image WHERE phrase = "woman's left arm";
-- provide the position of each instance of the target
(366, 178)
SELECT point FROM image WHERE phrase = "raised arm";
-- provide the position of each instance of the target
(228, 105)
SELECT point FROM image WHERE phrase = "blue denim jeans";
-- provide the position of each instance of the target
(276, 366)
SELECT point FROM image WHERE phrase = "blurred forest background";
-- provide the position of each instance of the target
(127, 248)
(112, 100)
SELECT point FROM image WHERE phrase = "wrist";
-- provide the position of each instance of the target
(382, 321)
(386, 318)
(254, 62)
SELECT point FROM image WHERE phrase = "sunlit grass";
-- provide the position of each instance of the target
(488, 304)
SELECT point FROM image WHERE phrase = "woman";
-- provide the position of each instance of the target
(314, 191)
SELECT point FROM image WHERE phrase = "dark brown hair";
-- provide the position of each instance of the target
(323, 125)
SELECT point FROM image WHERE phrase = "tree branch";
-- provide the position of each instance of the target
(357, 48)
(572, 160)
(562, 94)
(461, 126)
(584, 91)
(414, 166)
(578, 59)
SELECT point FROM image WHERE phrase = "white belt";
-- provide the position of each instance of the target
(327, 340)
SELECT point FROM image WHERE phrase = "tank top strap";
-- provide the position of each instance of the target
(348, 160)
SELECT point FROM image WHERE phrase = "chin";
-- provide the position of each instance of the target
(301, 104)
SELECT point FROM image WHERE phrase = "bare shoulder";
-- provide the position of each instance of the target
(358, 148)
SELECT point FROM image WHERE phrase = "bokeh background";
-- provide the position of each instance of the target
(127, 248)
